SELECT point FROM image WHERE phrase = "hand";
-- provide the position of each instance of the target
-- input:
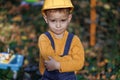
(52, 64)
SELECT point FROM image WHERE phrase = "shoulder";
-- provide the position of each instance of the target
(43, 37)
(76, 39)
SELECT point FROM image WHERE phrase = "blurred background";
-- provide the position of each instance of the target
(96, 22)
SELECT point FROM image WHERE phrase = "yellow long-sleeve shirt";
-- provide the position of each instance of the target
(74, 61)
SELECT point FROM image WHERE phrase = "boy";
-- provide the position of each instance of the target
(61, 53)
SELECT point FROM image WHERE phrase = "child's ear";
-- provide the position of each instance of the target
(69, 17)
(45, 18)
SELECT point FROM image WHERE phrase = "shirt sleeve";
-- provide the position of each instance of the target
(45, 47)
(41, 65)
(77, 57)
(41, 60)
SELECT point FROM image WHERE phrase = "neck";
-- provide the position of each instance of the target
(59, 36)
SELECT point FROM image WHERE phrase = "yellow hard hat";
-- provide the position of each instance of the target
(53, 4)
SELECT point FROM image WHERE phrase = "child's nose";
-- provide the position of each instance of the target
(58, 24)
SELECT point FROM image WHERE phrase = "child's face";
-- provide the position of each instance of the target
(58, 22)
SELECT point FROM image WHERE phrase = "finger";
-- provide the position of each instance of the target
(49, 57)
(45, 62)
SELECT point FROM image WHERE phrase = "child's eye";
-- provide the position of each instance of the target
(63, 20)
(52, 20)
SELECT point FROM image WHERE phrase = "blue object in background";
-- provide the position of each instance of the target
(15, 64)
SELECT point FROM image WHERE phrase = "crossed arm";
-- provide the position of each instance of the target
(72, 62)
